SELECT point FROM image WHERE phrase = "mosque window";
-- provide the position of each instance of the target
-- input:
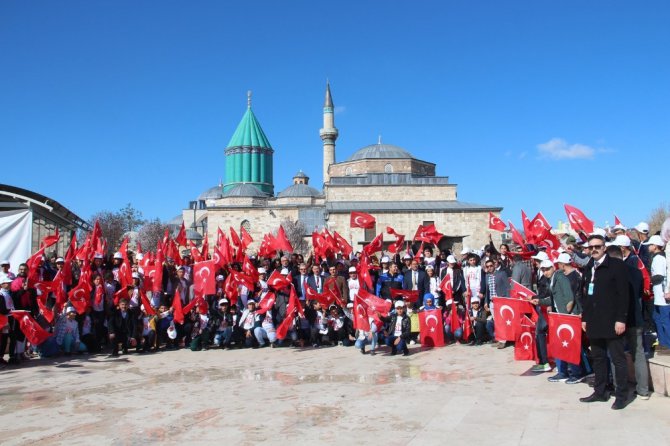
(246, 225)
(388, 168)
(348, 171)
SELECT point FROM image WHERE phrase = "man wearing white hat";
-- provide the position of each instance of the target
(4, 270)
(642, 233)
(353, 284)
(659, 282)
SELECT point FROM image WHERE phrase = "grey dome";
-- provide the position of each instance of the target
(299, 190)
(212, 193)
(244, 190)
(300, 174)
(380, 151)
(176, 220)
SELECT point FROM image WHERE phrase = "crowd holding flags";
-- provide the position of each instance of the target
(183, 293)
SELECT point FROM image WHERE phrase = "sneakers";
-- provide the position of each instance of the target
(539, 368)
(363, 350)
(643, 397)
(557, 378)
(412, 342)
(501, 345)
(575, 379)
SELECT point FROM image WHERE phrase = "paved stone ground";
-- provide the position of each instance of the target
(451, 395)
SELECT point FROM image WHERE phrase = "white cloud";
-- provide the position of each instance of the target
(559, 149)
(340, 109)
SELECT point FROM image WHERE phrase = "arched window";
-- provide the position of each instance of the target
(388, 168)
(348, 171)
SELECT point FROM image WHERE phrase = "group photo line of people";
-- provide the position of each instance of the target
(581, 306)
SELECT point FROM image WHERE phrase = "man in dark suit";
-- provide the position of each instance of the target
(316, 279)
(416, 280)
(300, 281)
(605, 311)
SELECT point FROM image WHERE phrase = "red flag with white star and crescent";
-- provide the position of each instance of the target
(431, 332)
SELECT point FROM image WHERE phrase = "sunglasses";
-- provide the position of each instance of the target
(596, 246)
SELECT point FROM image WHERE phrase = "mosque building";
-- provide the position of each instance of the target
(381, 179)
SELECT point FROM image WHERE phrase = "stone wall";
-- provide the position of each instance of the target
(423, 192)
(360, 167)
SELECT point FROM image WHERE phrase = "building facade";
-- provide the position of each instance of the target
(381, 179)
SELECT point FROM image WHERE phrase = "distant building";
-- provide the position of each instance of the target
(384, 180)
(29, 217)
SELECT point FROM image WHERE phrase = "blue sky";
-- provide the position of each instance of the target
(522, 104)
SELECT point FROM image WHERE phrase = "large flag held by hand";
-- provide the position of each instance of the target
(362, 220)
(578, 220)
(431, 331)
(495, 223)
(34, 333)
(564, 337)
(524, 344)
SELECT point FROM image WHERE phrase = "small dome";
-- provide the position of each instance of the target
(300, 174)
(380, 151)
(213, 193)
(244, 190)
(299, 190)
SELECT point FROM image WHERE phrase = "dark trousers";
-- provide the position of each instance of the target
(615, 348)
(120, 338)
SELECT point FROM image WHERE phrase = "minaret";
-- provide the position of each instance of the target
(328, 134)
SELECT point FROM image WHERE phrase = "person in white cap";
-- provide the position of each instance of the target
(67, 332)
(4, 270)
(659, 282)
(353, 284)
(472, 272)
(641, 231)
(400, 331)
(564, 264)
(406, 262)
(451, 267)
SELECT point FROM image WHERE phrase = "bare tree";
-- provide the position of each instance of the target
(150, 233)
(657, 217)
(132, 217)
(295, 232)
(113, 226)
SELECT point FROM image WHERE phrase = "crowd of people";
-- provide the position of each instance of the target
(144, 302)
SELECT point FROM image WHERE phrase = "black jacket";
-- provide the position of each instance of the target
(609, 302)
(405, 324)
(120, 326)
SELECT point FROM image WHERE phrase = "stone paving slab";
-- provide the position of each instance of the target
(455, 394)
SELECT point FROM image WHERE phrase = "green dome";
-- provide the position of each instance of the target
(249, 133)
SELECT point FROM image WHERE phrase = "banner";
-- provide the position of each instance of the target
(16, 233)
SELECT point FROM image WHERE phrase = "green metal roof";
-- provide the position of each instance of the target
(249, 133)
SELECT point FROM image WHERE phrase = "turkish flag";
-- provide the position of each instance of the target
(51, 239)
(197, 300)
(617, 222)
(548, 240)
(455, 321)
(578, 220)
(361, 220)
(204, 277)
(428, 234)
(34, 333)
(181, 236)
(342, 245)
(266, 303)
(374, 303)
(230, 289)
(363, 270)
(235, 238)
(399, 240)
(80, 296)
(4, 320)
(524, 344)
(431, 331)
(516, 235)
(564, 337)
(496, 223)
(278, 281)
(445, 286)
(519, 291)
(319, 244)
(408, 295)
(506, 318)
(249, 269)
(41, 303)
(242, 279)
(157, 278)
(281, 242)
(147, 305)
(375, 245)
(177, 310)
(246, 238)
(360, 312)
(291, 309)
(646, 280)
